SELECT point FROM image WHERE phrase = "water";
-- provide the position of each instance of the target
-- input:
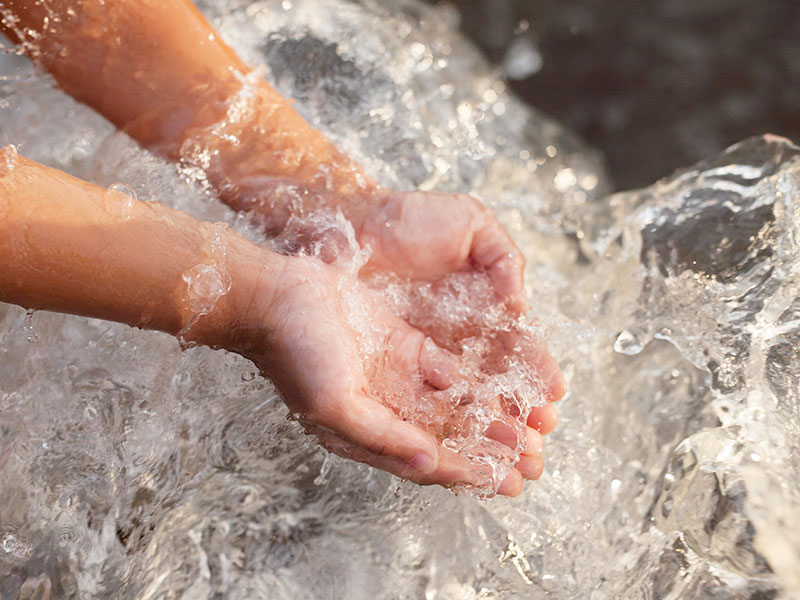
(682, 79)
(131, 469)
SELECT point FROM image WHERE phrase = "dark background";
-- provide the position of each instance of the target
(654, 84)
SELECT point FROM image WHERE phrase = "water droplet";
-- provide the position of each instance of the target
(616, 487)
(522, 59)
(628, 344)
(564, 179)
(119, 200)
(666, 508)
(9, 159)
(324, 471)
(124, 189)
(30, 332)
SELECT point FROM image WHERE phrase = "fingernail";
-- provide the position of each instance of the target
(421, 461)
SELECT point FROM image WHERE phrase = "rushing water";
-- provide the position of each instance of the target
(131, 469)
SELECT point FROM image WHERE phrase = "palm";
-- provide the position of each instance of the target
(330, 370)
(429, 237)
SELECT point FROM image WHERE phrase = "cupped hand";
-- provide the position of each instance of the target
(426, 236)
(339, 356)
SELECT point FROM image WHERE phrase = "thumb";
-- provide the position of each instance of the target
(493, 250)
(367, 424)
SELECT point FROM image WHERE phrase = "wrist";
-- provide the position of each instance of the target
(372, 219)
(263, 157)
(249, 277)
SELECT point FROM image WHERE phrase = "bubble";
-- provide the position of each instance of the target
(628, 344)
(119, 200)
(123, 189)
(9, 159)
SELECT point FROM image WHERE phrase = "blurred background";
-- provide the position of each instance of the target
(654, 84)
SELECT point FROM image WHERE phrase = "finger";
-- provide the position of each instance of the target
(502, 433)
(375, 428)
(395, 466)
(493, 249)
(534, 349)
(543, 418)
(439, 367)
(535, 442)
(512, 485)
(531, 467)
(411, 350)
(452, 469)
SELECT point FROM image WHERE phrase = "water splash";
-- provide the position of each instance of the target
(672, 471)
(30, 332)
(206, 282)
(9, 160)
(119, 200)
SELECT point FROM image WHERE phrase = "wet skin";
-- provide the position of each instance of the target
(96, 253)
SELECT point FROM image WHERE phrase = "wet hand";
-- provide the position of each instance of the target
(338, 355)
(425, 236)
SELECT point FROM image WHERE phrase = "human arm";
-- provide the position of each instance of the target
(69, 246)
(160, 72)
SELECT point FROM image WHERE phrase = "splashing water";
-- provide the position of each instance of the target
(206, 282)
(115, 193)
(130, 469)
(30, 332)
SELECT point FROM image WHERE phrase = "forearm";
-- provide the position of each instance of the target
(159, 71)
(267, 159)
(150, 66)
(69, 246)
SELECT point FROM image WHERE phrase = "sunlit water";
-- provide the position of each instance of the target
(130, 469)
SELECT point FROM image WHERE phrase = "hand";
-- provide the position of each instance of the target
(426, 236)
(337, 369)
